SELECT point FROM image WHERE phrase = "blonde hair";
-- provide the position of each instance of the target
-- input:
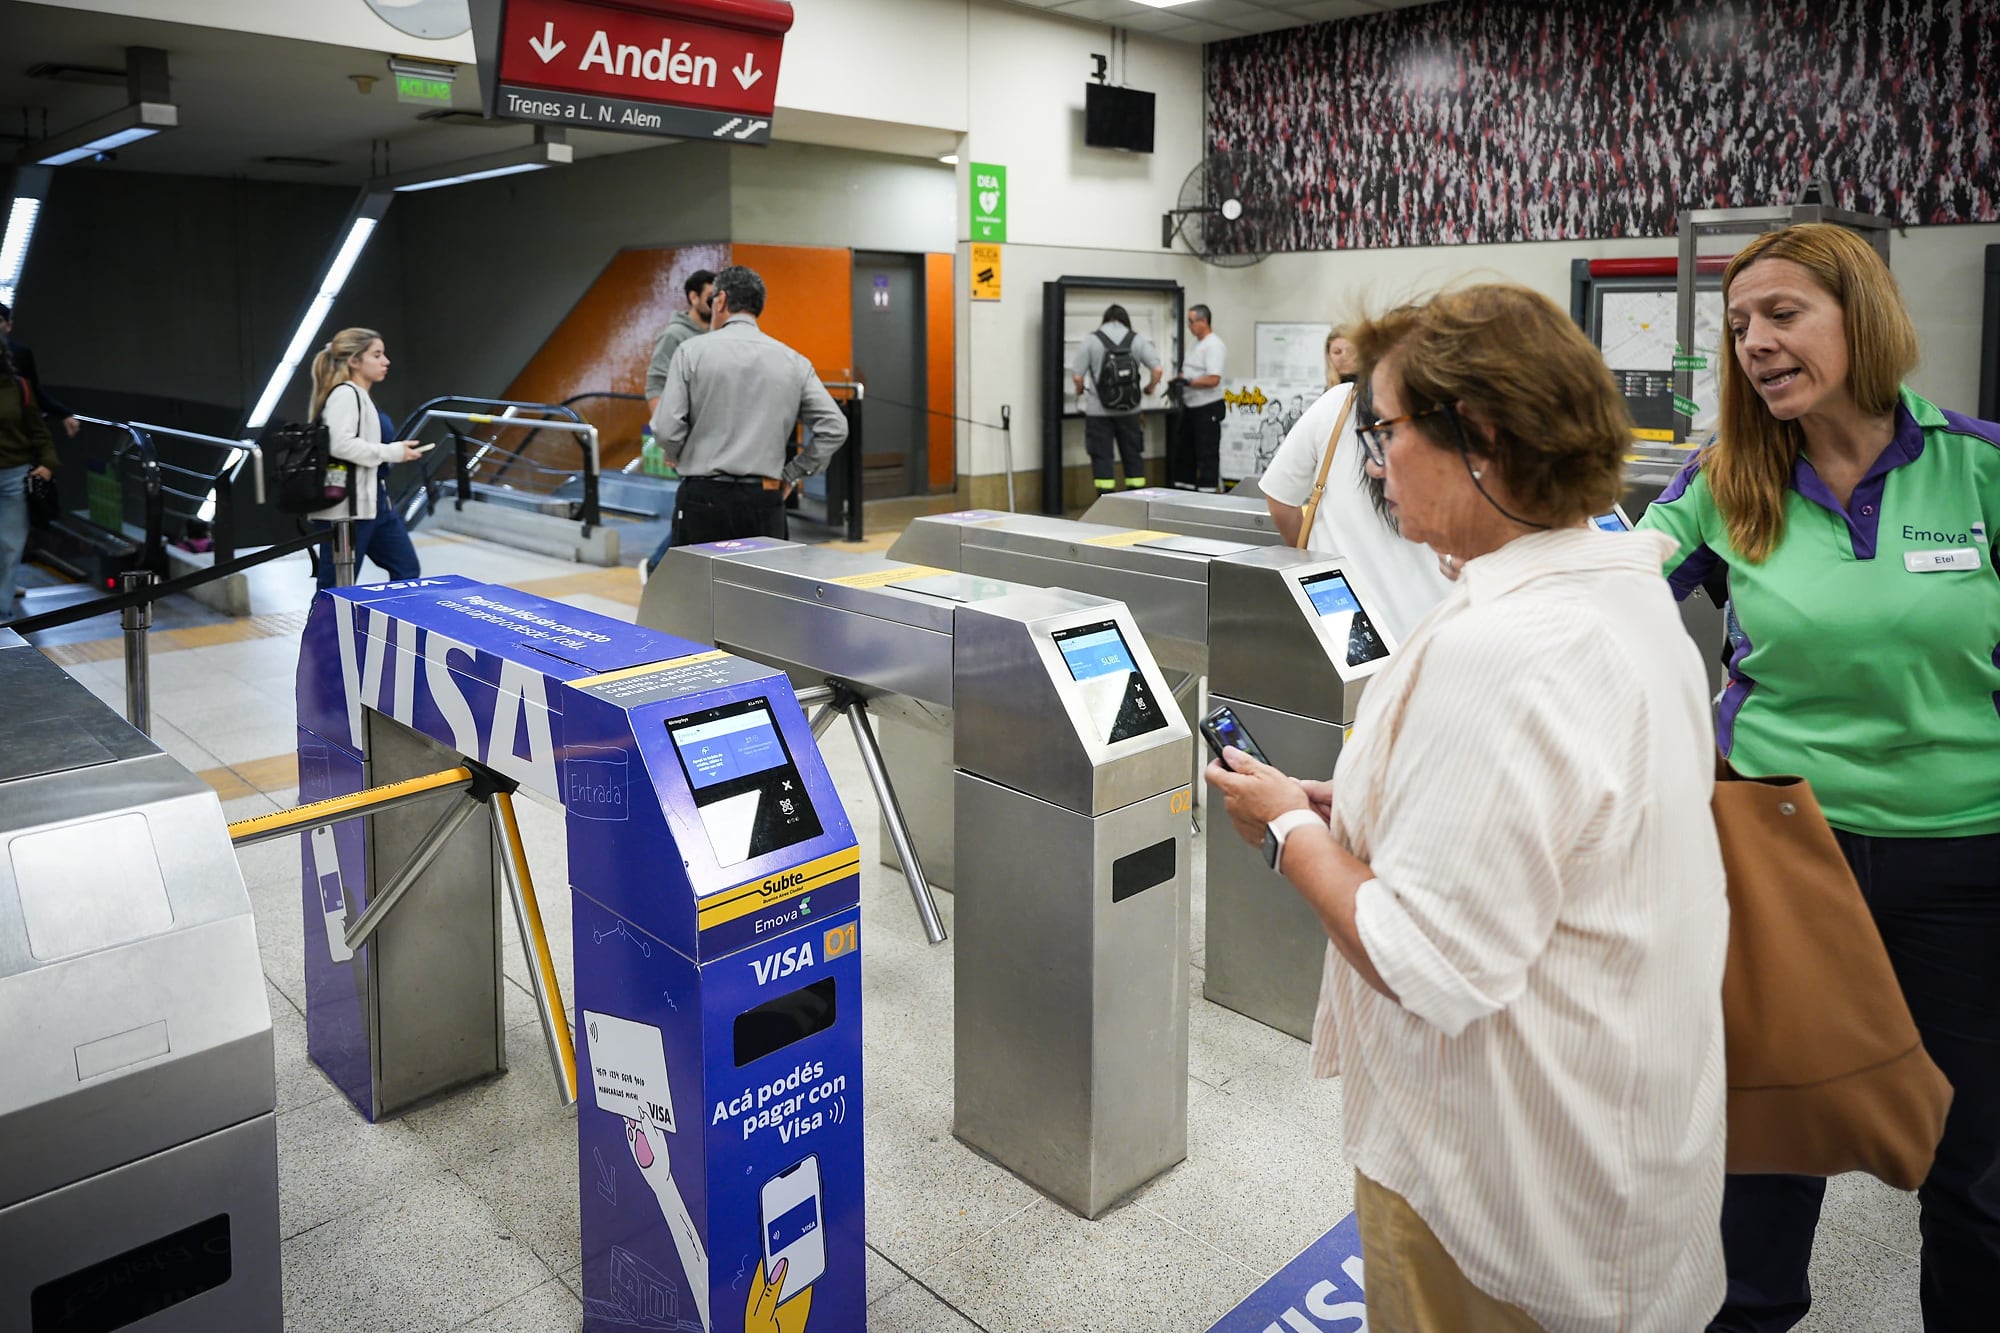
(331, 367)
(1508, 359)
(1749, 467)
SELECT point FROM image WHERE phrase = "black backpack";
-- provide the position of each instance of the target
(1118, 374)
(308, 478)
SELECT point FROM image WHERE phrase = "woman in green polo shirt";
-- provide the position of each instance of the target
(1858, 525)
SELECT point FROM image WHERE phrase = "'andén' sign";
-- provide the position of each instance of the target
(689, 68)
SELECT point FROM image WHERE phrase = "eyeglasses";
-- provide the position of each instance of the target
(1376, 435)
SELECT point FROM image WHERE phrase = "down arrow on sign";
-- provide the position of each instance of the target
(747, 73)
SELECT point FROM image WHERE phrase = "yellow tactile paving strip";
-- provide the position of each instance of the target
(277, 773)
(278, 625)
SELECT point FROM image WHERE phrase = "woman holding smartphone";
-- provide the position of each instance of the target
(352, 363)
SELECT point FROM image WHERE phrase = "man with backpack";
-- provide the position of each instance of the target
(1106, 370)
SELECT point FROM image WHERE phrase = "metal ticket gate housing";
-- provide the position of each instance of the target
(1228, 518)
(139, 1177)
(1072, 880)
(714, 899)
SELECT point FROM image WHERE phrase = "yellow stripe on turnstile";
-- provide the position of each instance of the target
(334, 808)
(544, 963)
(626, 673)
(1132, 538)
(1652, 434)
(881, 578)
(744, 899)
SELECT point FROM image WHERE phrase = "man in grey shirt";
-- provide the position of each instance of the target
(1117, 420)
(725, 420)
(686, 324)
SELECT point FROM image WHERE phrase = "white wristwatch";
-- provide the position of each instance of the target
(1283, 827)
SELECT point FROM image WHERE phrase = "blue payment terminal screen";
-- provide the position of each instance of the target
(1334, 601)
(1331, 595)
(1611, 522)
(794, 1225)
(1098, 652)
(729, 747)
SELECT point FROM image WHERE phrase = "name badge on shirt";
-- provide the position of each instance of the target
(1931, 562)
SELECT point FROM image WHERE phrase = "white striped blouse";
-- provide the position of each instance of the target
(1529, 780)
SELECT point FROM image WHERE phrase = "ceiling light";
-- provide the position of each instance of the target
(949, 159)
(361, 226)
(128, 124)
(31, 184)
(1160, 4)
(545, 152)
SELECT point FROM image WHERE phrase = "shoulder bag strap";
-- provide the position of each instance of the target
(1311, 510)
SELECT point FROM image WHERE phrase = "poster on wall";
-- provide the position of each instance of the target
(1292, 353)
(1259, 414)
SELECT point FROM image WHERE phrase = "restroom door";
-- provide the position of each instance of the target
(889, 348)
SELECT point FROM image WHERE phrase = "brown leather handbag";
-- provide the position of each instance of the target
(1826, 1072)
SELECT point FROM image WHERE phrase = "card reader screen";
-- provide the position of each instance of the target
(745, 786)
(1336, 603)
(1611, 522)
(1113, 688)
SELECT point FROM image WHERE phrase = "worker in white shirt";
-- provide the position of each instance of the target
(1515, 863)
(1202, 369)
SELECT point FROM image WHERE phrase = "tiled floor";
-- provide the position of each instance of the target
(463, 1214)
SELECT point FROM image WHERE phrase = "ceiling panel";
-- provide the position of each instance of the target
(1319, 11)
(1201, 21)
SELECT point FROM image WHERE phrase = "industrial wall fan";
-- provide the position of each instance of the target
(1225, 215)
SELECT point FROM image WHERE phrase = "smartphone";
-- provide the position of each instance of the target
(1222, 727)
(793, 1227)
(332, 896)
(424, 448)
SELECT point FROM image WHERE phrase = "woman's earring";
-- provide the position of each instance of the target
(1476, 474)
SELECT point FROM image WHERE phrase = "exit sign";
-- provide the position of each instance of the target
(423, 91)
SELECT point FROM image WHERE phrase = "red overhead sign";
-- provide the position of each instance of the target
(702, 68)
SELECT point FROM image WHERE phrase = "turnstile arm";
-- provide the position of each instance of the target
(535, 943)
(856, 708)
(426, 851)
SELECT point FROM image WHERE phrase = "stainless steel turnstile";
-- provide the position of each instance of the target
(1291, 645)
(1064, 793)
(1648, 471)
(1231, 518)
(139, 1177)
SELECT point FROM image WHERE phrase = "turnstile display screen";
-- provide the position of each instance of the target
(1113, 688)
(745, 784)
(1611, 522)
(1334, 600)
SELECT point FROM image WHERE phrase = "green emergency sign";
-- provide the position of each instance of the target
(989, 202)
(426, 92)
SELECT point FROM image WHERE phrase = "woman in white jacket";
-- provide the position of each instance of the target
(351, 364)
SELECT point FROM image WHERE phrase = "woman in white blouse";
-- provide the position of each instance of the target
(353, 362)
(1515, 863)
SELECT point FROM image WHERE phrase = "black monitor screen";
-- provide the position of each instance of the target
(1117, 118)
(745, 785)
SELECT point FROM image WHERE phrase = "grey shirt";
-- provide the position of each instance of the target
(679, 329)
(1090, 355)
(729, 403)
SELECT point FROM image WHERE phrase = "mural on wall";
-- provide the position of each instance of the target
(1493, 121)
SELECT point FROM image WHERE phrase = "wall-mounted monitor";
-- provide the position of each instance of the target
(1117, 118)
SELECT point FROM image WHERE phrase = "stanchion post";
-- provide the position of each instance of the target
(1007, 452)
(138, 675)
(343, 553)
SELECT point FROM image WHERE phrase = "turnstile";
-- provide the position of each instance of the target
(1291, 645)
(139, 1177)
(1231, 518)
(1064, 789)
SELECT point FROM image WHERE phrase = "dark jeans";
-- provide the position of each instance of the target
(712, 509)
(384, 539)
(1937, 904)
(1204, 429)
(1130, 435)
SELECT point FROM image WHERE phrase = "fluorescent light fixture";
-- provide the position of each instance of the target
(949, 159)
(509, 162)
(423, 69)
(31, 186)
(1160, 4)
(362, 226)
(128, 124)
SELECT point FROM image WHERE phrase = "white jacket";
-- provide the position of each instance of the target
(355, 436)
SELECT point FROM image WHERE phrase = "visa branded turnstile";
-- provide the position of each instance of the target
(714, 898)
(139, 1172)
(1231, 518)
(1064, 791)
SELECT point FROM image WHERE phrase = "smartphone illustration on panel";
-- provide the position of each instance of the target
(332, 898)
(794, 1230)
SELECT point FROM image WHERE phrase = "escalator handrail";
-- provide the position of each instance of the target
(155, 551)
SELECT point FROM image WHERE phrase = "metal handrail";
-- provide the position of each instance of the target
(414, 421)
(589, 516)
(154, 554)
(430, 411)
(236, 455)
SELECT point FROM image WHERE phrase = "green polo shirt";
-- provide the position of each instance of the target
(1865, 651)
